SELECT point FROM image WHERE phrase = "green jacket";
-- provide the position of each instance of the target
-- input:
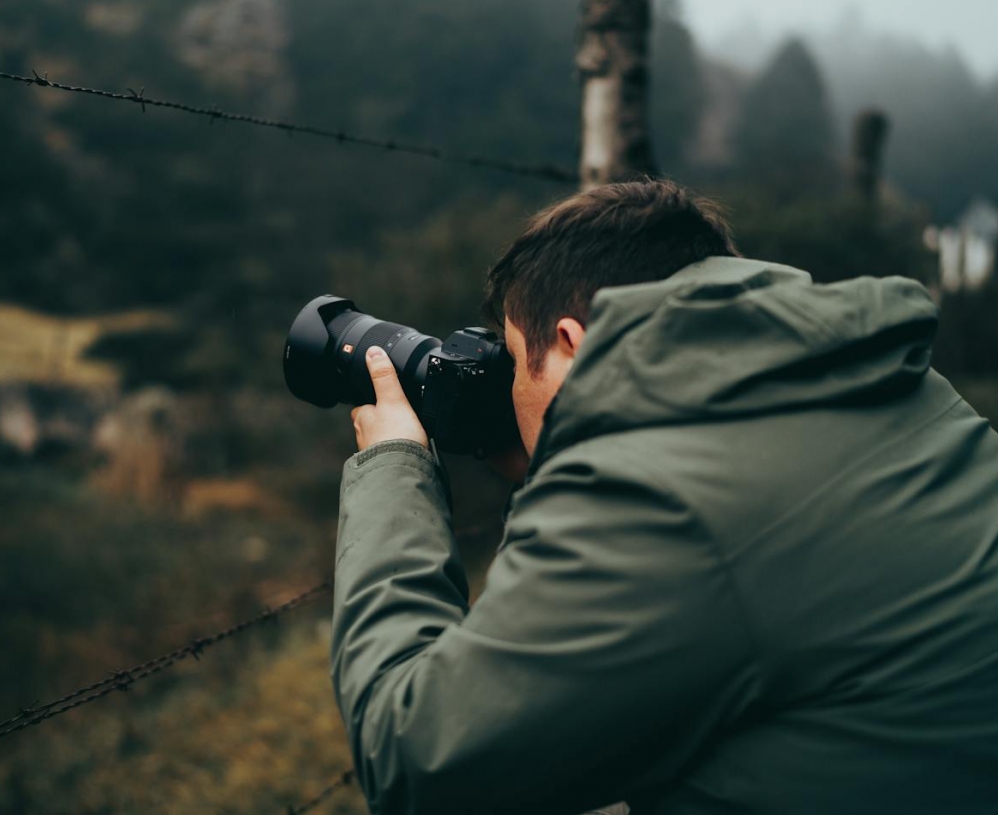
(754, 570)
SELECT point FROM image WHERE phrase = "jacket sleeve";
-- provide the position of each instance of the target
(605, 652)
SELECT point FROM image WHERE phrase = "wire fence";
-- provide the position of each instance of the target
(123, 680)
(546, 172)
(343, 781)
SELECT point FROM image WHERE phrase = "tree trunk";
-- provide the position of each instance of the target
(613, 65)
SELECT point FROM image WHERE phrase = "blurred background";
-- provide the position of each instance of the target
(157, 482)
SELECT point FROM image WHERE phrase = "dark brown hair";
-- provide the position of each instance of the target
(614, 235)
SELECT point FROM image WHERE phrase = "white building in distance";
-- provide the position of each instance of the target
(967, 251)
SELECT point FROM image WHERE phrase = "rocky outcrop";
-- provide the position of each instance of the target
(38, 421)
(142, 442)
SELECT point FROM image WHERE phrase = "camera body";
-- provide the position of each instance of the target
(460, 389)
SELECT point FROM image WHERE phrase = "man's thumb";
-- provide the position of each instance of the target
(387, 387)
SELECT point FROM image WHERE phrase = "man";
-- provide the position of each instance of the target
(753, 569)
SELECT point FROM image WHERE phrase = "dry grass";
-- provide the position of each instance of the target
(236, 735)
(205, 495)
(42, 349)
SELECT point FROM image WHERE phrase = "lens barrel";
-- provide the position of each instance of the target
(325, 354)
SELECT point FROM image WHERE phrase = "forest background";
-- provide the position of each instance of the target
(156, 479)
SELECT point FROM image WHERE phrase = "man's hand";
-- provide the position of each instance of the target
(392, 418)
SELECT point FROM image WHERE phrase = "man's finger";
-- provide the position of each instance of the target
(387, 387)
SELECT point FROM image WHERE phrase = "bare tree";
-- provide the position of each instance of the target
(613, 65)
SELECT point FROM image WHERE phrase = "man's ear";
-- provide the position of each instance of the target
(570, 336)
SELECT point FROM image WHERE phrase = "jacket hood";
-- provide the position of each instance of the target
(729, 337)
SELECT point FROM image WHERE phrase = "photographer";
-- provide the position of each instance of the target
(753, 567)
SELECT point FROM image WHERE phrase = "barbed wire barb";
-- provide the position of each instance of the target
(547, 172)
(139, 97)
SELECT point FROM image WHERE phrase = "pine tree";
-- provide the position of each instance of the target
(677, 88)
(787, 132)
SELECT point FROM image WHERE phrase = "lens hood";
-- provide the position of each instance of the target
(309, 350)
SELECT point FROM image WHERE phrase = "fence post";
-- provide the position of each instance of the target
(612, 61)
(868, 147)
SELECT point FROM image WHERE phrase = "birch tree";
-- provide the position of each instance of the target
(613, 65)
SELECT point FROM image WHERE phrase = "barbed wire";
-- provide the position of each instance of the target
(343, 781)
(124, 680)
(547, 172)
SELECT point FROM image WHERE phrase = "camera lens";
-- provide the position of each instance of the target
(325, 354)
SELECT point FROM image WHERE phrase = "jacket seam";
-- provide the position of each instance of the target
(803, 310)
(758, 651)
(766, 670)
(724, 560)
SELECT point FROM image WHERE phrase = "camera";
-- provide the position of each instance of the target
(459, 388)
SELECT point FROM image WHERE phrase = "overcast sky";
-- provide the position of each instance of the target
(971, 26)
